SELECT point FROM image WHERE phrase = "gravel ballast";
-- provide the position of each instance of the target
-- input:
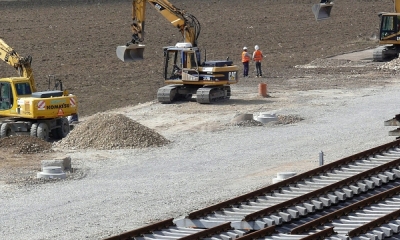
(127, 188)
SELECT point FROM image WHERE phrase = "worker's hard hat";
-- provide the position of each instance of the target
(244, 48)
(256, 47)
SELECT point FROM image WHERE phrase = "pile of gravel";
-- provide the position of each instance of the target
(246, 123)
(25, 144)
(392, 65)
(111, 131)
(246, 120)
(288, 119)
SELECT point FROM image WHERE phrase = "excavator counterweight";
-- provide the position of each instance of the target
(322, 10)
(130, 53)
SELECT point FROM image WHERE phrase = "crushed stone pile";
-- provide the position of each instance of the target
(25, 144)
(111, 131)
(391, 65)
(288, 119)
(246, 123)
(246, 120)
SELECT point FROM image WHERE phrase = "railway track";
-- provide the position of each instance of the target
(357, 197)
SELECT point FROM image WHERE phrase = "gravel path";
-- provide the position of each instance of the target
(125, 189)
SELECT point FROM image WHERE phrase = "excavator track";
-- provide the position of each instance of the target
(213, 94)
(206, 94)
(378, 54)
(167, 94)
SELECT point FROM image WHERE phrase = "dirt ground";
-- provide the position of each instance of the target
(76, 40)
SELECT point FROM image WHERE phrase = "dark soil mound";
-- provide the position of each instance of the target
(25, 144)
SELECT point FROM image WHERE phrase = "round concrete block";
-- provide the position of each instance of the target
(265, 117)
(51, 175)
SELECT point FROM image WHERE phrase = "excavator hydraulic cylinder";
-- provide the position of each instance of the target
(322, 11)
(130, 53)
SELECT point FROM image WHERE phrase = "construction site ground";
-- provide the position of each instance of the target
(76, 40)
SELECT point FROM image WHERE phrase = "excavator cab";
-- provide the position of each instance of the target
(390, 27)
(322, 10)
(181, 62)
(130, 53)
(6, 98)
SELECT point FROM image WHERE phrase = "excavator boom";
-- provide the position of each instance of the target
(21, 64)
(187, 24)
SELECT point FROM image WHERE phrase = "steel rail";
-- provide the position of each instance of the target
(341, 173)
(287, 182)
(322, 191)
(346, 210)
(143, 230)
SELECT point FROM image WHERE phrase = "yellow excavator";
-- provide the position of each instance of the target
(24, 110)
(184, 73)
(389, 39)
(389, 29)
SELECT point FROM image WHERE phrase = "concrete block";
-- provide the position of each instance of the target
(63, 162)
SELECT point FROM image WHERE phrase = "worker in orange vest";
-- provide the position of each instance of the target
(245, 60)
(257, 57)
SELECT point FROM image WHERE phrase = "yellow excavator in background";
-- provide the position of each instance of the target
(184, 73)
(389, 38)
(389, 29)
(24, 110)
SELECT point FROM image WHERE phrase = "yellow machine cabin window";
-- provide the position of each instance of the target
(388, 26)
(23, 88)
(6, 97)
(173, 65)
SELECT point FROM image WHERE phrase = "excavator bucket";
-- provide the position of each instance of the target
(322, 11)
(130, 53)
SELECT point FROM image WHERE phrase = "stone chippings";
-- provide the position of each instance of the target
(246, 123)
(391, 65)
(111, 131)
(282, 120)
(288, 119)
(25, 144)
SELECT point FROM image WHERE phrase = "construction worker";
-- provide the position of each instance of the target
(257, 57)
(245, 60)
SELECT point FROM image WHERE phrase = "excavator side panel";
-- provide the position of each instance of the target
(130, 53)
(322, 11)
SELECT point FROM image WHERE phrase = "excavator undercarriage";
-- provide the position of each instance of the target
(205, 94)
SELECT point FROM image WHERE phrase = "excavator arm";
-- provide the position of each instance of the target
(187, 24)
(21, 64)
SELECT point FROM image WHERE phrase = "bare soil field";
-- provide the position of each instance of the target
(76, 41)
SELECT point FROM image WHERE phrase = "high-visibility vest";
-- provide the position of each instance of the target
(245, 57)
(257, 56)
